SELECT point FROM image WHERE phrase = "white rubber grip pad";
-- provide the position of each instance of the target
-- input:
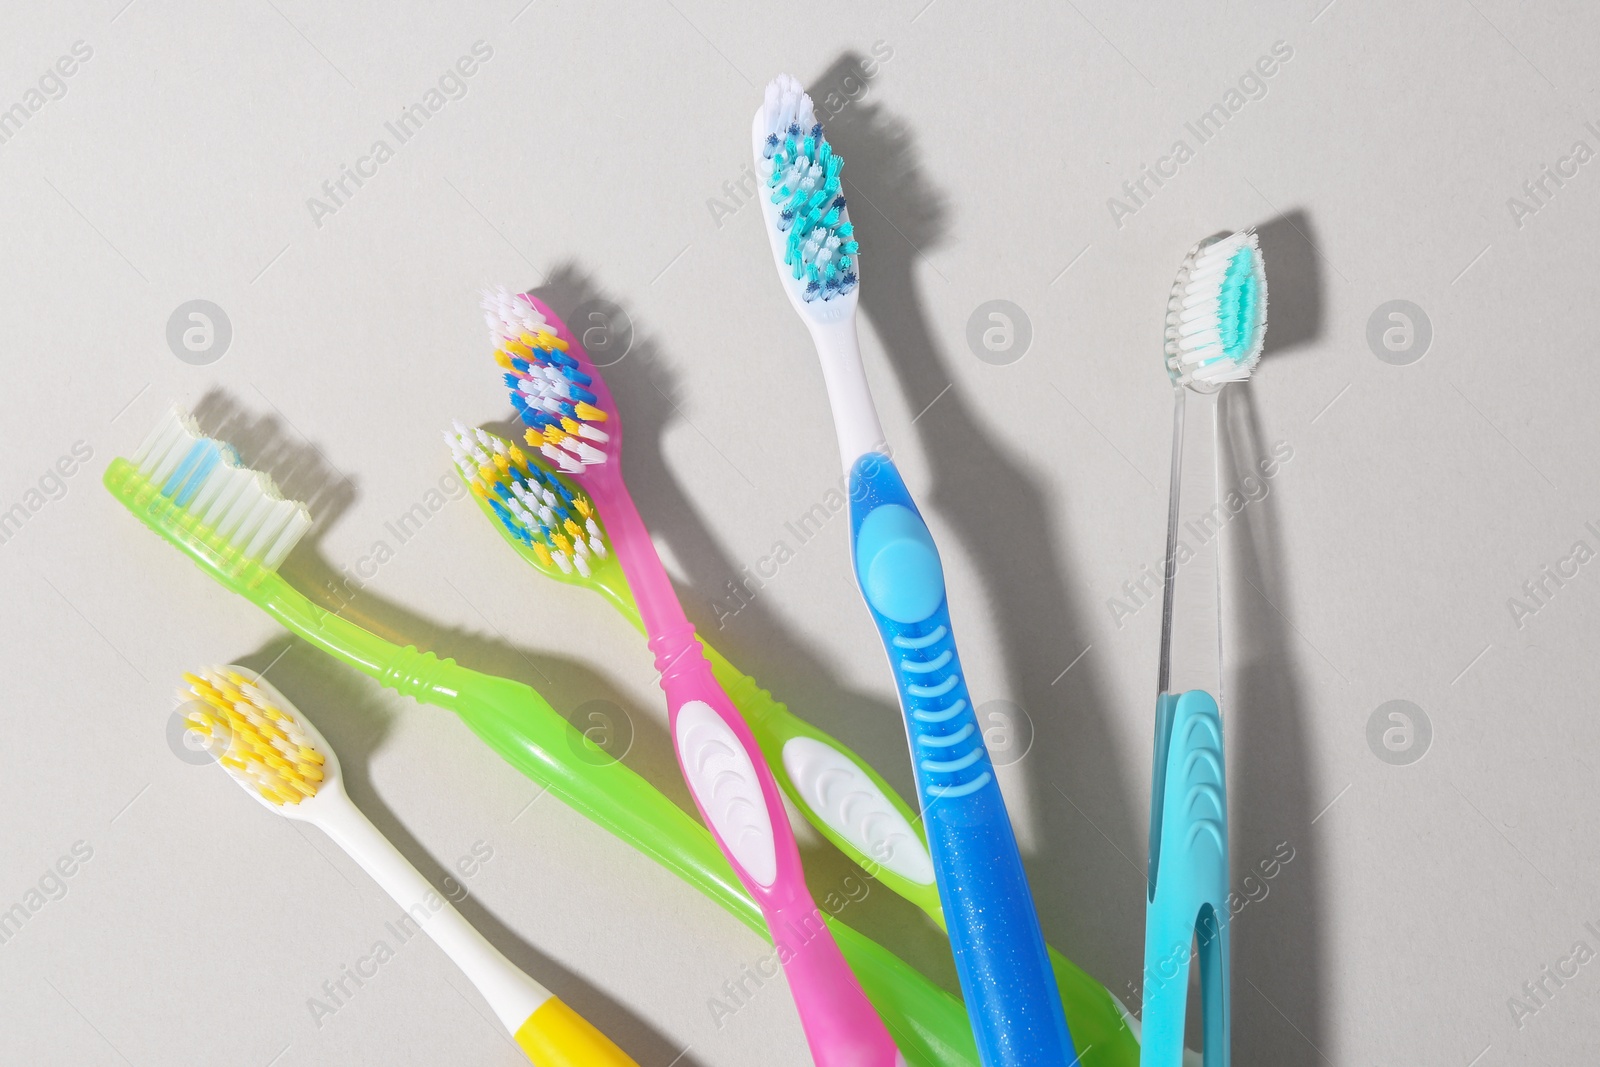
(724, 781)
(853, 805)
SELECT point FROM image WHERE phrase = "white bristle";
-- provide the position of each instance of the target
(786, 102)
(507, 314)
(236, 503)
(566, 461)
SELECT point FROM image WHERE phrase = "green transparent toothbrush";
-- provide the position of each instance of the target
(549, 521)
(231, 521)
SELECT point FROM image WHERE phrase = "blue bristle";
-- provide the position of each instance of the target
(508, 520)
(178, 481)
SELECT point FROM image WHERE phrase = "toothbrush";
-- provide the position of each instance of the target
(1216, 324)
(844, 798)
(280, 758)
(574, 423)
(232, 523)
(1000, 955)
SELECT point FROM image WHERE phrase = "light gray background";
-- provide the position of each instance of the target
(980, 156)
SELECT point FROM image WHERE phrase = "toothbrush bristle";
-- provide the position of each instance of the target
(804, 184)
(1217, 314)
(557, 521)
(257, 739)
(550, 386)
(206, 478)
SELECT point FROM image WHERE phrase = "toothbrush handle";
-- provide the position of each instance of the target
(1188, 876)
(738, 798)
(552, 1034)
(999, 948)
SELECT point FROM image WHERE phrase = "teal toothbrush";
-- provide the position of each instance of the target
(1216, 323)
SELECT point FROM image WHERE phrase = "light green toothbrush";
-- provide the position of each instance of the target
(232, 522)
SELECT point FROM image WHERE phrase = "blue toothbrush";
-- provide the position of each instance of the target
(1011, 996)
(1216, 323)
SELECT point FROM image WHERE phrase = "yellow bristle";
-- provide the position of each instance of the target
(502, 464)
(569, 425)
(518, 348)
(546, 341)
(554, 435)
(582, 504)
(503, 358)
(574, 530)
(517, 457)
(589, 413)
(489, 474)
(544, 555)
(262, 751)
(533, 438)
(562, 543)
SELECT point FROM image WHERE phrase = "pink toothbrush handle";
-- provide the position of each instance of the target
(739, 801)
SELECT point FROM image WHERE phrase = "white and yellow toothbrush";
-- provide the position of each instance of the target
(279, 758)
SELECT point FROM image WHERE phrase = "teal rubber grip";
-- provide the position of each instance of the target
(1011, 995)
(1188, 896)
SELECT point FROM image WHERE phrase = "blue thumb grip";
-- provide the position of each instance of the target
(1011, 995)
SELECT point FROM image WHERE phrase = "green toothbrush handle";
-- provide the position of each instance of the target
(928, 1024)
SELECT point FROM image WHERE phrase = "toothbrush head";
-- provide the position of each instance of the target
(554, 386)
(1217, 315)
(259, 739)
(551, 522)
(195, 491)
(803, 203)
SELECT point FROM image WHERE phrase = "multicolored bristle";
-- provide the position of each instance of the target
(557, 521)
(805, 185)
(549, 386)
(267, 749)
(206, 478)
(1217, 315)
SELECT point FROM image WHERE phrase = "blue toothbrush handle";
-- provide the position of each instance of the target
(1188, 902)
(1012, 999)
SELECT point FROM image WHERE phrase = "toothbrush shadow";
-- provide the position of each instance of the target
(1280, 957)
(1294, 281)
(304, 473)
(1002, 513)
(646, 389)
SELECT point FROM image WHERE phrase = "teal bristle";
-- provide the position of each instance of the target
(1237, 305)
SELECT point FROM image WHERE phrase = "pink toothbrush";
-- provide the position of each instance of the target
(574, 423)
